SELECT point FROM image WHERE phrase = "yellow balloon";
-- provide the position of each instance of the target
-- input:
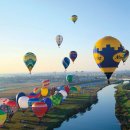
(74, 18)
(44, 92)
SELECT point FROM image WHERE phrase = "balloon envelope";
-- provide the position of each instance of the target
(73, 90)
(52, 90)
(60, 88)
(78, 88)
(73, 55)
(19, 95)
(74, 18)
(64, 93)
(8, 110)
(37, 90)
(13, 105)
(3, 117)
(46, 83)
(69, 78)
(3, 100)
(34, 95)
(125, 55)
(108, 54)
(30, 60)
(48, 102)
(59, 40)
(39, 109)
(56, 99)
(5, 109)
(44, 92)
(23, 102)
(66, 62)
(67, 88)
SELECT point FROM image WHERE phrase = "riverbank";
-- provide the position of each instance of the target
(122, 108)
(76, 103)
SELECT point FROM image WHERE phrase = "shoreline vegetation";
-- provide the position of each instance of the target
(122, 108)
(74, 104)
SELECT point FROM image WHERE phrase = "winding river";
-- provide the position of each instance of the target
(100, 117)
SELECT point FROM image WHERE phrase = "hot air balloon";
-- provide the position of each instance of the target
(67, 89)
(47, 101)
(64, 93)
(46, 83)
(52, 90)
(39, 109)
(66, 62)
(78, 88)
(73, 55)
(73, 90)
(23, 103)
(125, 55)
(3, 117)
(37, 90)
(60, 88)
(3, 100)
(19, 95)
(108, 54)
(59, 40)
(44, 92)
(13, 105)
(74, 18)
(34, 95)
(56, 99)
(69, 78)
(8, 111)
(30, 60)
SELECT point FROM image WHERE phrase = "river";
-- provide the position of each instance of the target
(100, 117)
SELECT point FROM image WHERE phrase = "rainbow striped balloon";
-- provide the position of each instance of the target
(46, 83)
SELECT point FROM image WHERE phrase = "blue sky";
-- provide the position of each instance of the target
(32, 25)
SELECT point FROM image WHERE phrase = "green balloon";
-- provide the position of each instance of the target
(56, 99)
(69, 78)
(73, 89)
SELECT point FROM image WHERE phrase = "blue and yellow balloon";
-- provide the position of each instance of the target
(108, 54)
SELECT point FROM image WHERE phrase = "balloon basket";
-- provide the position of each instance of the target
(108, 81)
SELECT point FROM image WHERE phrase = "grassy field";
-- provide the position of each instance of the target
(123, 106)
(77, 103)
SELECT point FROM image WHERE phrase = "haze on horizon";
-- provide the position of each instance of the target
(33, 25)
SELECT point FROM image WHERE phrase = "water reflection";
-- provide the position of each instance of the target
(100, 116)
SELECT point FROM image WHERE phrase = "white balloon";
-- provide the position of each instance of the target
(23, 102)
(59, 39)
(64, 93)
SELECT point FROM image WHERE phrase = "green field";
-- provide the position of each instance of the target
(123, 105)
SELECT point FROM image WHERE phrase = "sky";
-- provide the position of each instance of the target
(32, 25)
